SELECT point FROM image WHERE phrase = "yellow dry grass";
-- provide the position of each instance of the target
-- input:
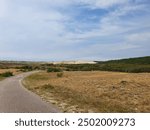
(93, 91)
(14, 71)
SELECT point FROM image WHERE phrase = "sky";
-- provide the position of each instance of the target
(62, 30)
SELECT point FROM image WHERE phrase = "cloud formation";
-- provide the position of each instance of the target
(74, 29)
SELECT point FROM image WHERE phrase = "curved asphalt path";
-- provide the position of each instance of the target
(14, 98)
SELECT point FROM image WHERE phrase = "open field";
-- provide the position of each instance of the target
(93, 91)
(88, 87)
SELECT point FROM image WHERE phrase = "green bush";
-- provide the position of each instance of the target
(6, 74)
(29, 68)
(54, 70)
(108, 66)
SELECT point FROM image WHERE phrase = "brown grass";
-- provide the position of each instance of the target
(14, 71)
(93, 91)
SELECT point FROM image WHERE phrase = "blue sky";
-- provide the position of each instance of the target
(53, 30)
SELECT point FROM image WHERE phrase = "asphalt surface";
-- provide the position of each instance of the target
(14, 98)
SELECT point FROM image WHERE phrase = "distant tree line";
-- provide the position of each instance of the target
(131, 65)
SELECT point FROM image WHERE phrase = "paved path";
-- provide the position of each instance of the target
(14, 98)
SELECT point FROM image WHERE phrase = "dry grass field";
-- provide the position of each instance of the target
(14, 71)
(93, 91)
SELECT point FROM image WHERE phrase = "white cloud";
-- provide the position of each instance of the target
(3, 8)
(139, 38)
(47, 30)
(112, 24)
(103, 3)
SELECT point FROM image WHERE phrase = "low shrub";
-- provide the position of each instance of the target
(54, 70)
(6, 74)
(59, 75)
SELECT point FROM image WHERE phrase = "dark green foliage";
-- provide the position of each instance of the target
(54, 70)
(132, 65)
(81, 67)
(131, 68)
(139, 60)
(6, 74)
(27, 67)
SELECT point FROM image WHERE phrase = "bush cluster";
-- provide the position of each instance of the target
(6, 74)
(118, 67)
(54, 70)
